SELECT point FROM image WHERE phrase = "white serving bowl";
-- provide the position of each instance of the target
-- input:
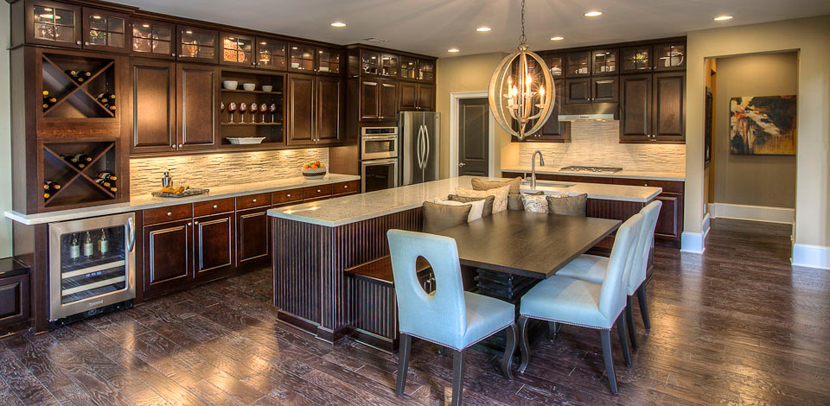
(267, 88)
(316, 173)
(230, 84)
(249, 86)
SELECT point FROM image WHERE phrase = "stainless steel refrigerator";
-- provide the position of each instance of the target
(419, 146)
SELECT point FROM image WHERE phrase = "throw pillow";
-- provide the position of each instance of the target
(475, 212)
(535, 203)
(488, 202)
(483, 184)
(514, 200)
(438, 217)
(568, 205)
(500, 204)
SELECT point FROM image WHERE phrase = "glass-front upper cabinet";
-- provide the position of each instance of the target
(409, 67)
(578, 64)
(426, 70)
(153, 39)
(328, 60)
(301, 58)
(52, 23)
(389, 65)
(604, 61)
(197, 44)
(555, 63)
(271, 54)
(369, 62)
(671, 56)
(237, 50)
(105, 31)
(636, 59)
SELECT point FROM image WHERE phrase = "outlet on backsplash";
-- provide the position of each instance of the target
(214, 170)
(596, 143)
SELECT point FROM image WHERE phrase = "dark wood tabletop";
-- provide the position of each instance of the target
(527, 244)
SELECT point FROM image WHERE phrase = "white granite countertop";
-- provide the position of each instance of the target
(149, 202)
(354, 208)
(548, 170)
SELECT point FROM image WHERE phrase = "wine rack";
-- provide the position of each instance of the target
(76, 98)
(78, 186)
(271, 127)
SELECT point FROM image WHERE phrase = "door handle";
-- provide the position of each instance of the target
(131, 233)
(420, 148)
(426, 139)
(461, 164)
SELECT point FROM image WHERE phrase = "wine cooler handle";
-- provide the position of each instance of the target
(131, 231)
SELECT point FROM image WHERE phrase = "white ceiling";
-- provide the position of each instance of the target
(433, 26)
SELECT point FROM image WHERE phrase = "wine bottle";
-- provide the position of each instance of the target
(49, 185)
(107, 176)
(83, 158)
(46, 195)
(89, 247)
(72, 73)
(74, 248)
(85, 73)
(113, 189)
(103, 243)
(103, 182)
(45, 93)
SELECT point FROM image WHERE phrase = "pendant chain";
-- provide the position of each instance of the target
(523, 38)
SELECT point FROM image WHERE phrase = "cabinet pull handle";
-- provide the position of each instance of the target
(169, 214)
(215, 206)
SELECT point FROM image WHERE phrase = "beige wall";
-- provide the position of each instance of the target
(5, 136)
(812, 38)
(468, 74)
(759, 180)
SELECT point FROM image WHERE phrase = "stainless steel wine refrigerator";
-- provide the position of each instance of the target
(92, 266)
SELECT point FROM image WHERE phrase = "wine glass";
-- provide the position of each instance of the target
(273, 109)
(231, 108)
(254, 109)
(262, 109)
(221, 107)
(242, 108)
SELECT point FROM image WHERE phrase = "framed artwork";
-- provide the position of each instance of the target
(762, 125)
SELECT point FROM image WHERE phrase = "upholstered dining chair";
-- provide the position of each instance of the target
(592, 268)
(448, 316)
(567, 300)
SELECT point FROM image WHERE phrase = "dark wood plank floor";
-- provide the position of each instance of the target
(737, 325)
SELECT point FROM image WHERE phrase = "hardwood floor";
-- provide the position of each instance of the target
(737, 325)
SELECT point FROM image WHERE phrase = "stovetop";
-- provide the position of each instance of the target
(591, 169)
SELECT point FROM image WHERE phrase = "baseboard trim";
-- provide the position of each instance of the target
(706, 225)
(753, 213)
(692, 242)
(811, 256)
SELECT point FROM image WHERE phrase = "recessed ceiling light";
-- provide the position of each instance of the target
(722, 18)
(483, 29)
(453, 50)
(593, 14)
(557, 38)
(338, 24)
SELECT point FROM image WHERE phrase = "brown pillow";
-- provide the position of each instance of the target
(514, 200)
(488, 202)
(481, 184)
(438, 217)
(568, 205)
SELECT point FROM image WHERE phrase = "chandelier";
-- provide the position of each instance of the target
(521, 91)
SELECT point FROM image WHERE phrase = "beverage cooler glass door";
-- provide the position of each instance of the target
(92, 264)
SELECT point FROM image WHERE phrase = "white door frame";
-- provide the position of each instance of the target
(455, 98)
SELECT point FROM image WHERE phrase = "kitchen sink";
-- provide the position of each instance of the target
(548, 183)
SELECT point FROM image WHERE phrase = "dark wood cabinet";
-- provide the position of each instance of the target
(271, 54)
(388, 100)
(426, 97)
(300, 109)
(196, 107)
(166, 259)
(369, 100)
(153, 39)
(105, 31)
(329, 93)
(416, 97)
(253, 235)
(578, 64)
(578, 91)
(426, 70)
(605, 89)
(52, 23)
(635, 107)
(213, 244)
(637, 59)
(314, 114)
(237, 50)
(670, 56)
(197, 44)
(669, 223)
(309, 59)
(604, 62)
(14, 299)
(154, 106)
(553, 130)
(555, 64)
(669, 109)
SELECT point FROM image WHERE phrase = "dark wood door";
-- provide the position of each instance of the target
(213, 244)
(605, 89)
(167, 262)
(197, 44)
(669, 107)
(328, 96)
(578, 91)
(271, 53)
(554, 130)
(670, 221)
(473, 137)
(408, 96)
(635, 107)
(578, 64)
(196, 109)
(53, 23)
(154, 106)
(388, 100)
(426, 98)
(14, 299)
(237, 50)
(105, 31)
(153, 39)
(300, 109)
(253, 236)
(369, 100)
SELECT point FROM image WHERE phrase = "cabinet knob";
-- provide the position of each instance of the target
(319, 191)
(180, 145)
(215, 206)
(288, 195)
(196, 223)
(86, 43)
(77, 42)
(254, 200)
(189, 224)
(169, 214)
(345, 186)
(645, 184)
(173, 54)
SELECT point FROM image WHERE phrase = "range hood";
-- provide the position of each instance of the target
(589, 112)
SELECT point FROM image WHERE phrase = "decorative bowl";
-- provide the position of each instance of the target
(230, 84)
(267, 88)
(249, 86)
(315, 173)
(245, 140)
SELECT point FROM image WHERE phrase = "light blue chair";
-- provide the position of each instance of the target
(591, 268)
(565, 300)
(448, 316)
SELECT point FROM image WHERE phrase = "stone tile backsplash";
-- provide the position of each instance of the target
(596, 143)
(213, 170)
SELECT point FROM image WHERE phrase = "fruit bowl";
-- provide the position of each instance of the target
(314, 170)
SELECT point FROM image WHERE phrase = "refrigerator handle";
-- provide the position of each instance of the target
(131, 232)
(420, 149)
(426, 139)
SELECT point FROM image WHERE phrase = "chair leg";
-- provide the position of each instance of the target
(629, 321)
(609, 362)
(403, 362)
(457, 376)
(623, 339)
(509, 350)
(641, 296)
(525, 346)
(553, 329)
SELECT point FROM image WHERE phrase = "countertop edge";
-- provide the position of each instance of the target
(671, 178)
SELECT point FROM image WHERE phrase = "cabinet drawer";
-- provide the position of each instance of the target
(345, 188)
(247, 202)
(668, 186)
(165, 214)
(287, 196)
(315, 192)
(14, 299)
(212, 207)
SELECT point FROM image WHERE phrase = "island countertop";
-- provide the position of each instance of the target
(354, 208)
(623, 174)
(148, 201)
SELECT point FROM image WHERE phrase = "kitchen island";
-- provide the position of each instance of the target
(315, 243)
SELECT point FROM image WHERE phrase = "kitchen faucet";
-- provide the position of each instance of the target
(533, 168)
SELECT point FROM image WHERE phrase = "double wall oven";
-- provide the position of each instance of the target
(378, 158)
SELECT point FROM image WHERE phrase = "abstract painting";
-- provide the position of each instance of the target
(762, 125)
